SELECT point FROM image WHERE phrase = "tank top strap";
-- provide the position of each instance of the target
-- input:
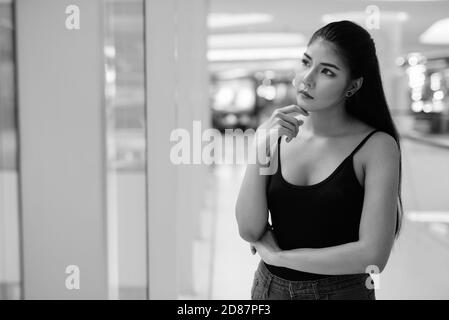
(352, 153)
(279, 153)
(363, 142)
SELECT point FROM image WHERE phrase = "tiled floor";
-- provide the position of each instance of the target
(417, 268)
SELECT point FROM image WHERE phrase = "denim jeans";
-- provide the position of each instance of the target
(267, 286)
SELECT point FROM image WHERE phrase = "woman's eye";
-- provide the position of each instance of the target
(328, 72)
(304, 62)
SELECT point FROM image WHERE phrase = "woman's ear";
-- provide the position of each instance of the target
(356, 85)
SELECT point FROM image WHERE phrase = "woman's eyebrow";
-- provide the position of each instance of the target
(323, 63)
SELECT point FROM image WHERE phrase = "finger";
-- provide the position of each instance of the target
(288, 118)
(288, 109)
(284, 131)
(279, 115)
(300, 111)
(294, 109)
(294, 130)
(288, 125)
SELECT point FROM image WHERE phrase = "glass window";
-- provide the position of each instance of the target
(10, 275)
(126, 136)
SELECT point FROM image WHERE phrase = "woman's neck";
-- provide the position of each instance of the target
(328, 123)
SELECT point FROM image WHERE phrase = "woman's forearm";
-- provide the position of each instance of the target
(251, 207)
(347, 258)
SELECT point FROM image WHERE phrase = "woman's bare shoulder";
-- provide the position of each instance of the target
(380, 143)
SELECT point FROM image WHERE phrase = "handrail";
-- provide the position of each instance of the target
(429, 141)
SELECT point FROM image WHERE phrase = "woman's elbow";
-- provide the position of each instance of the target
(376, 263)
(251, 225)
(245, 232)
(249, 235)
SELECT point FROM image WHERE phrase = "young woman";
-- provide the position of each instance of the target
(334, 199)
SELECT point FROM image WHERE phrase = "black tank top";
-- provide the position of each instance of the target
(321, 215)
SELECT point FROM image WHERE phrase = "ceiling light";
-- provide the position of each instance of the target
(254, 54)
(358, 16)
(255, 40)
(233, 73)
(223, 20)
(436, 33)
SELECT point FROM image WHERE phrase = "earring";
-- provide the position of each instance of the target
(348, 94)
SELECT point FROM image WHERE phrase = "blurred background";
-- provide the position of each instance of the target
(86, 116)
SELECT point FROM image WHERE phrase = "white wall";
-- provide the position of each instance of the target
(62, 147)
(132, 229)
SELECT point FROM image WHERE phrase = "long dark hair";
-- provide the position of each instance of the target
(356, 47)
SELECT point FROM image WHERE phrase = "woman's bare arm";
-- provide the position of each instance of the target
(377, 225)
(251, 207)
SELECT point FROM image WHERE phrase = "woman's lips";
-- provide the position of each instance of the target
(305, 94)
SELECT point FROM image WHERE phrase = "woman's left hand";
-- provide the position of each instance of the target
(267, 247)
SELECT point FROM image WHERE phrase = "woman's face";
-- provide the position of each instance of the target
(323, 75)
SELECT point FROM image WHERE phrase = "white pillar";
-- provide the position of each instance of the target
(161, 173)
(62, 148)
(191, 67)
(200, 90)
(175, 61)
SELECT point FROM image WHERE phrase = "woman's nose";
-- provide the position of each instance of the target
(301, 84)
(308, 79)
